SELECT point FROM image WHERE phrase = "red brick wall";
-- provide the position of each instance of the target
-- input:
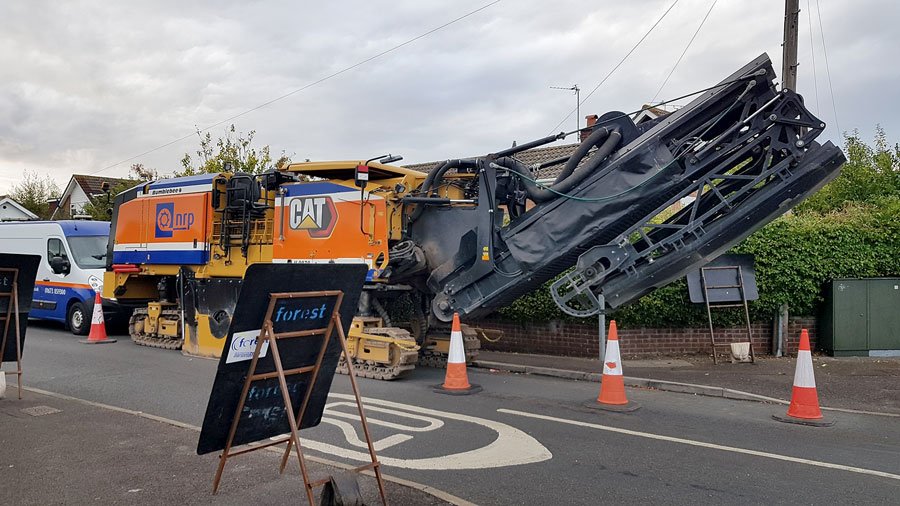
(580, 340)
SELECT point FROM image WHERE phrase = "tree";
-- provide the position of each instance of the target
(34, 191)
(871, 175)
(100, 208)
(233, 148)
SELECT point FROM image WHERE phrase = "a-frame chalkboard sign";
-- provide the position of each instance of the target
(292, 357)
(17, 273)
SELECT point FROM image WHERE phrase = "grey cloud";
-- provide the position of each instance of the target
(85, 84)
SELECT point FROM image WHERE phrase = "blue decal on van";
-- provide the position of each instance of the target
(51, 301)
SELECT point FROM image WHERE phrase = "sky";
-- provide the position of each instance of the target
(91, 87)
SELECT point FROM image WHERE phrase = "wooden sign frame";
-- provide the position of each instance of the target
(268, 335)
(741, 288)
(13, 306)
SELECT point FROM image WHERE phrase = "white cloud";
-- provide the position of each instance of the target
(85, 84)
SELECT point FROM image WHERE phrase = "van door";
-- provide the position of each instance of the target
(52, 294)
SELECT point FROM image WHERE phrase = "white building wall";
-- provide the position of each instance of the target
(9, 212)
(77, 201)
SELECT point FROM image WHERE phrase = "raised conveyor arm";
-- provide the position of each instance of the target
(744, 150)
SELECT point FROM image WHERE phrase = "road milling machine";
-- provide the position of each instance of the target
(472, 235)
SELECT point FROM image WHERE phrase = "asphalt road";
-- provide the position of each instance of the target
(525, 440)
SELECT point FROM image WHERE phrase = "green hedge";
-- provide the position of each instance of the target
(795, 258)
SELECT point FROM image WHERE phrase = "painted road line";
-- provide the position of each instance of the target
(702, 444)
(511, 447)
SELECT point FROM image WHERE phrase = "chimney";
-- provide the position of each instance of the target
(591, 121)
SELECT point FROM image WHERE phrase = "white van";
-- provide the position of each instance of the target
(71, 269)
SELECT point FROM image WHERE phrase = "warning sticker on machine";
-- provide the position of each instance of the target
(243, 344)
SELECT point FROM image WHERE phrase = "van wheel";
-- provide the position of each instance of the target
(78, 320)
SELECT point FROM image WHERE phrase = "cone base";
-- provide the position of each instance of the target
(618, 408)
(612, 390)
(473, 389)
(822, 422)
(96, 341)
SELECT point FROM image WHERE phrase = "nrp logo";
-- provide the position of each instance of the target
(167, 220)
(316, 215)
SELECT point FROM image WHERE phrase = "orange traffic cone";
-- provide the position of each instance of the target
(98, 327)
(612, 386)
(456, 381)
(612, 383)
(804, 407)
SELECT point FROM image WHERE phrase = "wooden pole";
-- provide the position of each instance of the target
(789, 53)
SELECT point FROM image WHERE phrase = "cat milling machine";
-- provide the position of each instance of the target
(440, 243)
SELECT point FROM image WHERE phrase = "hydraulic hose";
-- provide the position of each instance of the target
(576, 175)
(596, 137)
(382, 312)
(434, 179)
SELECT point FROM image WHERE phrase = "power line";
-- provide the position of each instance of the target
(812, 50)
(617, 65)
(827, 69)
(684, 52)
(298, 90)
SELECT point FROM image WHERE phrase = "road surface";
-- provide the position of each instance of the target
(524, 439)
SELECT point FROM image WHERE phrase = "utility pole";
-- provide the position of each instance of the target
(788, 82)
(789, 54)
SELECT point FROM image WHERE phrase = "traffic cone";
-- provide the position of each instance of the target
(804, 406)
(98, 327)
(612, 386)
(456, 381)
(612, 383)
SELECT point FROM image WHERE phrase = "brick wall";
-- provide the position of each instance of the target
(580, 340)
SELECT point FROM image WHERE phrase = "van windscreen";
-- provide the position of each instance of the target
(89, 251)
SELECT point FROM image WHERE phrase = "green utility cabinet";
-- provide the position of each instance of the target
(861, 318)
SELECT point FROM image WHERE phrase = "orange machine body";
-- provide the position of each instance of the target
(324, 221)
(169, 224)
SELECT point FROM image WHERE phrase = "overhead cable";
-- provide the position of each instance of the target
(827, 69)
(658, 21)
(302, 88)
(661, 86)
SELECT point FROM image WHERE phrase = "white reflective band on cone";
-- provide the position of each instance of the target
(803, 375)
(457, 354)
(612, 357)
(97, 317)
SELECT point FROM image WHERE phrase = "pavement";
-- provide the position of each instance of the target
(104, 455)
(854, 383)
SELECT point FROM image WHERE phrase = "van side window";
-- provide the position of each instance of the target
(55, 248)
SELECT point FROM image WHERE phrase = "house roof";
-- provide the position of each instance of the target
(93, 185)
(529, 157)
(4, 200)
(648, 113)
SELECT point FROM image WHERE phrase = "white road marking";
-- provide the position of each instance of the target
(351, 437)
(433, 423)
(702, 444)
(511, 447)
(392, 440)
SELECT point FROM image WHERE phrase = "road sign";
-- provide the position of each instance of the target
(264, 414)
(26, 266)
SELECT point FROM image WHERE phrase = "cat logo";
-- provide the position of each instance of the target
(316, 215)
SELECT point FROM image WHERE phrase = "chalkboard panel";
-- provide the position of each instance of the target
(27, 265)
(263, 414)
(725, 277)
